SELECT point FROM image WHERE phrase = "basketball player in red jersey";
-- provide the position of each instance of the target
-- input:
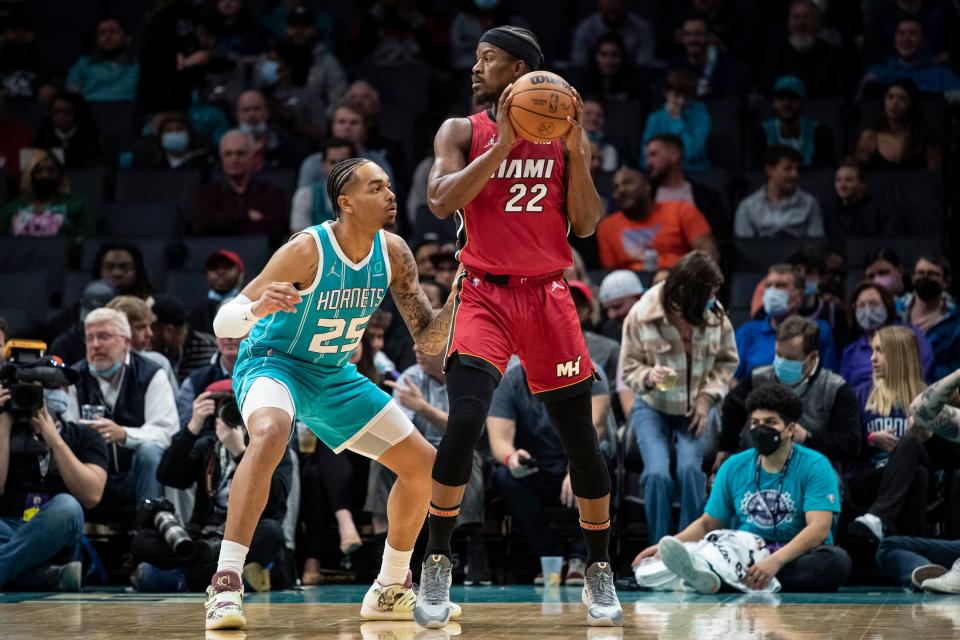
(515, 202)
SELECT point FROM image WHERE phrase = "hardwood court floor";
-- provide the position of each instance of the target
(490, 612)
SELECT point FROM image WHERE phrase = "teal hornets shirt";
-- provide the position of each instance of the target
(333, 313)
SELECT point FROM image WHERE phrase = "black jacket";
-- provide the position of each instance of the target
(197, 459)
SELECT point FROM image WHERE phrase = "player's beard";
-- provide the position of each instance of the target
(488, 97)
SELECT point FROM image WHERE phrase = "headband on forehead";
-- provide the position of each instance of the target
(518, 42)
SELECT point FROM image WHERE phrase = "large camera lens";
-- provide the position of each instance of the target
(26, 397)
(229, 412)
(174, 534)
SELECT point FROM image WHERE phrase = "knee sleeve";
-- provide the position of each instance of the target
(573, 419)
(470, 391)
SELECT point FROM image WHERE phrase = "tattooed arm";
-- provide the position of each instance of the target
(430, 329)
(930, 410)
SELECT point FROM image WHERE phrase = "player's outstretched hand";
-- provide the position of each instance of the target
(506, 135)
(278, 296)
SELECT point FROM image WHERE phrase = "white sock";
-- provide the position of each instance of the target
(393, 569)
(232, 557)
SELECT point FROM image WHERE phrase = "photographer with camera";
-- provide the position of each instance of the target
(128, 400)
(207, 453)
(50, 470)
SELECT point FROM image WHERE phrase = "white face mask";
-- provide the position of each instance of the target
(57, 401)
(802, 41)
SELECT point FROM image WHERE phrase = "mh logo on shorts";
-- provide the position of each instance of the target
(569, 369)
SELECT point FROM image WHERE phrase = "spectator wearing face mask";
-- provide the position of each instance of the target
(45, 207)
(874, 309)
(783, 291)
(619, 291)
(109, 74)
(175, 146)
(882, 266)
(831, 412)
(273, 146)
(931, 310)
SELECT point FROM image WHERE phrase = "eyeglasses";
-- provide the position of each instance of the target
(101, 337)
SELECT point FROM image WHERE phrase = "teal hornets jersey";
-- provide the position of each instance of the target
(333, 313)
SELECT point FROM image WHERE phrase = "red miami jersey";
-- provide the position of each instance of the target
(517, 225)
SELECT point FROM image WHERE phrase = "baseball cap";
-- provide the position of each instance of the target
(301, 14)
(169, 309)
(618, 284)
(790, 84)
(97, 294)
(582, 288)
(225, 254)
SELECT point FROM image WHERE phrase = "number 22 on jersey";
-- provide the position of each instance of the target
(519, 190)
(337, 328)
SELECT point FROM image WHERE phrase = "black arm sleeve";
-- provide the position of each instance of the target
(734, 411)
(841, 439)
(179, 467)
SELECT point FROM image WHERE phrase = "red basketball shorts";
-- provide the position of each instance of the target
(534, 318)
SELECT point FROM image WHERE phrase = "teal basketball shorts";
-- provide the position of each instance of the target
(342, 407)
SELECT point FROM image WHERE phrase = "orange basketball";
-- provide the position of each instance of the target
(541, 102)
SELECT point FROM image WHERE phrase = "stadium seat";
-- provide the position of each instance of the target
(189, 286)
(917, 196)
(73, 286)
(28, 112)
(137, 187)
(190, 254)
(116, 121)
(47, 255)
(725, 144)
(757, 255)
(623, 120)
(28, 290)
(742, 286)
(285, 179)
(159, 220)
(91, 184)
(398, 85)
(19, 324)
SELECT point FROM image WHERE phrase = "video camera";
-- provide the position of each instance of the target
(27, 373)
(160, 514)
(226, 409)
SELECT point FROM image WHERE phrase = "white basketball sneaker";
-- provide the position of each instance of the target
(225, 601)
(395, 601)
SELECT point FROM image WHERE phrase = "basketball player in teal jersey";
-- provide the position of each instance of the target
(305, 314)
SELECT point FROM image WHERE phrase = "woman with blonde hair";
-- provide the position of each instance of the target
(885, 404)
(45, 207)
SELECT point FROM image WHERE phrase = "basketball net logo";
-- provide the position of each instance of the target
(554, 102)
(569, 369)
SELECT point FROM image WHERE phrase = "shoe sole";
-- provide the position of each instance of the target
(431, 623)
(605, 621)
(369, 613)
(678, 560)
(920, 574)
(936, 589)
(231, 621)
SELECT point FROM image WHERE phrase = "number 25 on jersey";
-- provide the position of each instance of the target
(337, 328)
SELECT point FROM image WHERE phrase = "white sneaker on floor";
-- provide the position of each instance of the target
(599, 594)
(926, 572)
(225, 602)
(576, 569)
(694, 571)
(947, 583)
(395, 602)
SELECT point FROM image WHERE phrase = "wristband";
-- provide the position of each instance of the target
(235, 318)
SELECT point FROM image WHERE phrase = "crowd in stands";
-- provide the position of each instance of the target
(768, 300)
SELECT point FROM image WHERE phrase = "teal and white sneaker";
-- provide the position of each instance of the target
(694, 571)
(433, 607)
(600, 596)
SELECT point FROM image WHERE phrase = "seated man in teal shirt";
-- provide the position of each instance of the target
(110, 74)
(783, 492)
